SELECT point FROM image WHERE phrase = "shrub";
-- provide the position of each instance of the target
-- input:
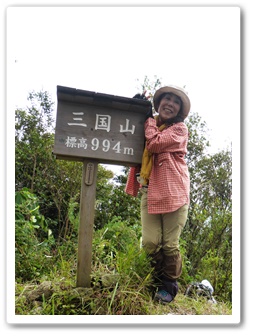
(32, 254)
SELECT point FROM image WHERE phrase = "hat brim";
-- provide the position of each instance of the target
(177, 91)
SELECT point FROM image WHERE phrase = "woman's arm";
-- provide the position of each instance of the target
(173, 139)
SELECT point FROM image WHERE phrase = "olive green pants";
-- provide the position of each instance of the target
(160, 238)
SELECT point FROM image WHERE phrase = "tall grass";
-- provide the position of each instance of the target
(121, 280)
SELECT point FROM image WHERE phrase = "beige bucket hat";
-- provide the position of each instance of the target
(177, 91)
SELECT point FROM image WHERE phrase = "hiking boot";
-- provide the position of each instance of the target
(163, 296)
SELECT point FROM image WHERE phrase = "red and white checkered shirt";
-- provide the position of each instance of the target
(169, 182)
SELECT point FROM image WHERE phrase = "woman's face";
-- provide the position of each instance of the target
(169, 107)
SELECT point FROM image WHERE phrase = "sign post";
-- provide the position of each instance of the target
(88, 193)
(96, 128)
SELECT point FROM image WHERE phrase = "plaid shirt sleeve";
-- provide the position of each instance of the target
(170, 139)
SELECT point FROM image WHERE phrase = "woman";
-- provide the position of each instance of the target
(165, 184)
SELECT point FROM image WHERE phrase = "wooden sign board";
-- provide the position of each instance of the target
(96, 128)
(99, 126)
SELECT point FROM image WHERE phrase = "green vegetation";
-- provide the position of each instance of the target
(47, 218)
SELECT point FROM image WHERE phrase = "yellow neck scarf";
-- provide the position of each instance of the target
(147, 161)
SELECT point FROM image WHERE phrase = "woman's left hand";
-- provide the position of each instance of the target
(142, 96)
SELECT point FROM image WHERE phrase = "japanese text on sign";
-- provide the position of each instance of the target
(103, 122)
(95, 144)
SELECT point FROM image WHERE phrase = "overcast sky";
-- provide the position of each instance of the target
(107, 49)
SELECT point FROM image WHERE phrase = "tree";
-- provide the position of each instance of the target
(207, 236)
(57, 183)
(149, 85)
(208, 232)
(114, 202)
(33, 138)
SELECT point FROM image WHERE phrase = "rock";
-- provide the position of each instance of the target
(81, 291)
(36, 294)
(109, 280)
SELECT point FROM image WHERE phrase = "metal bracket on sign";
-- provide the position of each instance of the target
(89, 175)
